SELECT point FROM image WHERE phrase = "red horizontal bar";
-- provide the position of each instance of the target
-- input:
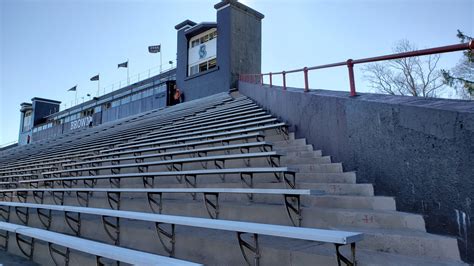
(436, 50)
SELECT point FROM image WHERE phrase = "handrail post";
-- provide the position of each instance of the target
(261, 79)
(306, 85)
(271, 79)
(350, 67)
(284, 79)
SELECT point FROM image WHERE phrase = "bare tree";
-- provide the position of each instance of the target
(416, 76)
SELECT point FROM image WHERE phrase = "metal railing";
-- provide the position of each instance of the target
(258, 78)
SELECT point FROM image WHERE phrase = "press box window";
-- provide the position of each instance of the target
(194, 70)
(212, 63)
(202, 52)
(27, 121)
(203, 67)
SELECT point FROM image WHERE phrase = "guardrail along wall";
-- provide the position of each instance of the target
(419, 150)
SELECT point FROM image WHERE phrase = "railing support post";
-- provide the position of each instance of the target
(284, 80)
(306, 84)
(350, 67)
(271, 79)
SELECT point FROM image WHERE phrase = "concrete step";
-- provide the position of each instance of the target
(317, 168)
(312, 216)
(15, 260)
(242, 209)
(235, 182)
(305, 160)
(294, 148)
(323, 201)
(345, 177)
(276, 137)
(304, 154)
(340, 188)
(351, 202)
(289, 143)
(410, 243)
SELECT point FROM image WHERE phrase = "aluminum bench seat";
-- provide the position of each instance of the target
(174, 163)
(201, 135)
(196, 132)
(42, 162)
(199, 140)
(336, 237)
(244, 147)
(192, 128)
(162, 149)
(98, 249)
(291, 197)
(189, 177)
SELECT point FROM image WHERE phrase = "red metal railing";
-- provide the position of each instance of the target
(258, 78)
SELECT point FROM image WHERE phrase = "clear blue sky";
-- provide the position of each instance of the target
(48, 46)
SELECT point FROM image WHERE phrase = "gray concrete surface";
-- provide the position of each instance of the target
(8, 259)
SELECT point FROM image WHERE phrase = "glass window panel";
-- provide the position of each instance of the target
(212, 63)
(203, 67)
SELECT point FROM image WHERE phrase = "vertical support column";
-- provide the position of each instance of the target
(306, 84)
(284, 80)
(271, 80)
(350, 67)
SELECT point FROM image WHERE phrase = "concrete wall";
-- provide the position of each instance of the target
(246, 42)
(419, 150)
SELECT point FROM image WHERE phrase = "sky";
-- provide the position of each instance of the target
(49, 46)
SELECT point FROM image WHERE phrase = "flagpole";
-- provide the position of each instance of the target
(161, 63)
(98, 85)
(128, 74)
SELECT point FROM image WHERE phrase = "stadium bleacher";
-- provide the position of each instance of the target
(128, 191)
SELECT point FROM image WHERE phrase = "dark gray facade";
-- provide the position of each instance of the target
(419, 150)
(238, 50)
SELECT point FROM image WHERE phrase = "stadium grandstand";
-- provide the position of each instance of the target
(238, 170)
